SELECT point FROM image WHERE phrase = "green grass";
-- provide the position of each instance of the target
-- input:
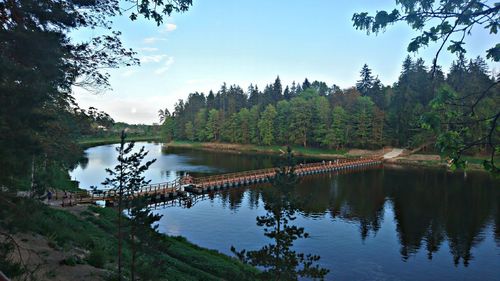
(54, 176)
(185, 143)
(172, 258)
(478, 159)
(271, 149)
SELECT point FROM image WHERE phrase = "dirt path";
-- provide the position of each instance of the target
(46, 260)
(394, 153)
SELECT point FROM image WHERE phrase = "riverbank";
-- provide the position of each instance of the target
(253, 149)
(417, 160)
(79, 243)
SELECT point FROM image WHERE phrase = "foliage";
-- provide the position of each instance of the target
(279, 260)
(40, 65)
(141, 230)
(97, 258)
(8, 263)
(171, 258)
(369, 116)
(126, 179)
(266, 125)
(449, 22)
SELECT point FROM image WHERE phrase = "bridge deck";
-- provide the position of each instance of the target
(170, 190)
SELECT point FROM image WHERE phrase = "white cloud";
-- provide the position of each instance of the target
(129, 72)
(166, 66)
(137, 109)
(148, 49)
(170, 27)
(152, 40)
(152, 58)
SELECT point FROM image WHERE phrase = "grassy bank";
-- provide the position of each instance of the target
(474, 162)
(429, 161)
(69, 243)
(94, 141)
(250, 148)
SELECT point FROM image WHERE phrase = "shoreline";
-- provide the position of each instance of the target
(405, 161)
(91, 142)
(255, 149)
(408, 161)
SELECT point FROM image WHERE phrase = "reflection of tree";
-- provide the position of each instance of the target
(309, 195)
(226, 162)
(430, 209)
(278, 260)
(361, 198)
(83, 162)
(232, 196)
(253, 198)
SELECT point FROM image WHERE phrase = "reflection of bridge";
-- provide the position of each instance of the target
(161, 192)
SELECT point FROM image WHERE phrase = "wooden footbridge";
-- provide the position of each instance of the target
(181, 187)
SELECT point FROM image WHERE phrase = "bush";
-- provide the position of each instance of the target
(97, 258)
(70, 261)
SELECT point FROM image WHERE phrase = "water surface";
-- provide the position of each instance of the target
(376, 224)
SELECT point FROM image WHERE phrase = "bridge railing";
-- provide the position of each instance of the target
(271, 171)
(230, 176)
(175, 185)
(162, 187)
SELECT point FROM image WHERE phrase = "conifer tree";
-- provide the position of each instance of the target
(126, 178)
(365, 84)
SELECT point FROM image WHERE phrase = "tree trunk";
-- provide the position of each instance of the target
(120, 236)
(33, 176)
(134, 251)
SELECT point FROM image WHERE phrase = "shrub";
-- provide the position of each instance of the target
(97, 258)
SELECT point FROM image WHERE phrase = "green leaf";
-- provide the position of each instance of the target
(494, 53)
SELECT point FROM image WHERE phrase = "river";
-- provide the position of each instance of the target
(377, 224)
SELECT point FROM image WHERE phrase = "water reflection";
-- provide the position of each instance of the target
(434, 207)
(431, 209)
(278, 260)
(375, 223)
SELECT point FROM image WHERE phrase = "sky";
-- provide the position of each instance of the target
(253, 41)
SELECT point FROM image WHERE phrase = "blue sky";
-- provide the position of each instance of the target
(253, 41)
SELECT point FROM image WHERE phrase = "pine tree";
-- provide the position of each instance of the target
(362, 120)
(244, 126)
(126, 179)
(210, 100)
(306, 85)
(287, 94)
(278, 259)
(277, 93)
(366, 82)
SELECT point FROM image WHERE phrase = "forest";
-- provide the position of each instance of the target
(51, 50)
(369, 115)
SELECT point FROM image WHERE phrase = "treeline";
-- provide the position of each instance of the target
(369, 115)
